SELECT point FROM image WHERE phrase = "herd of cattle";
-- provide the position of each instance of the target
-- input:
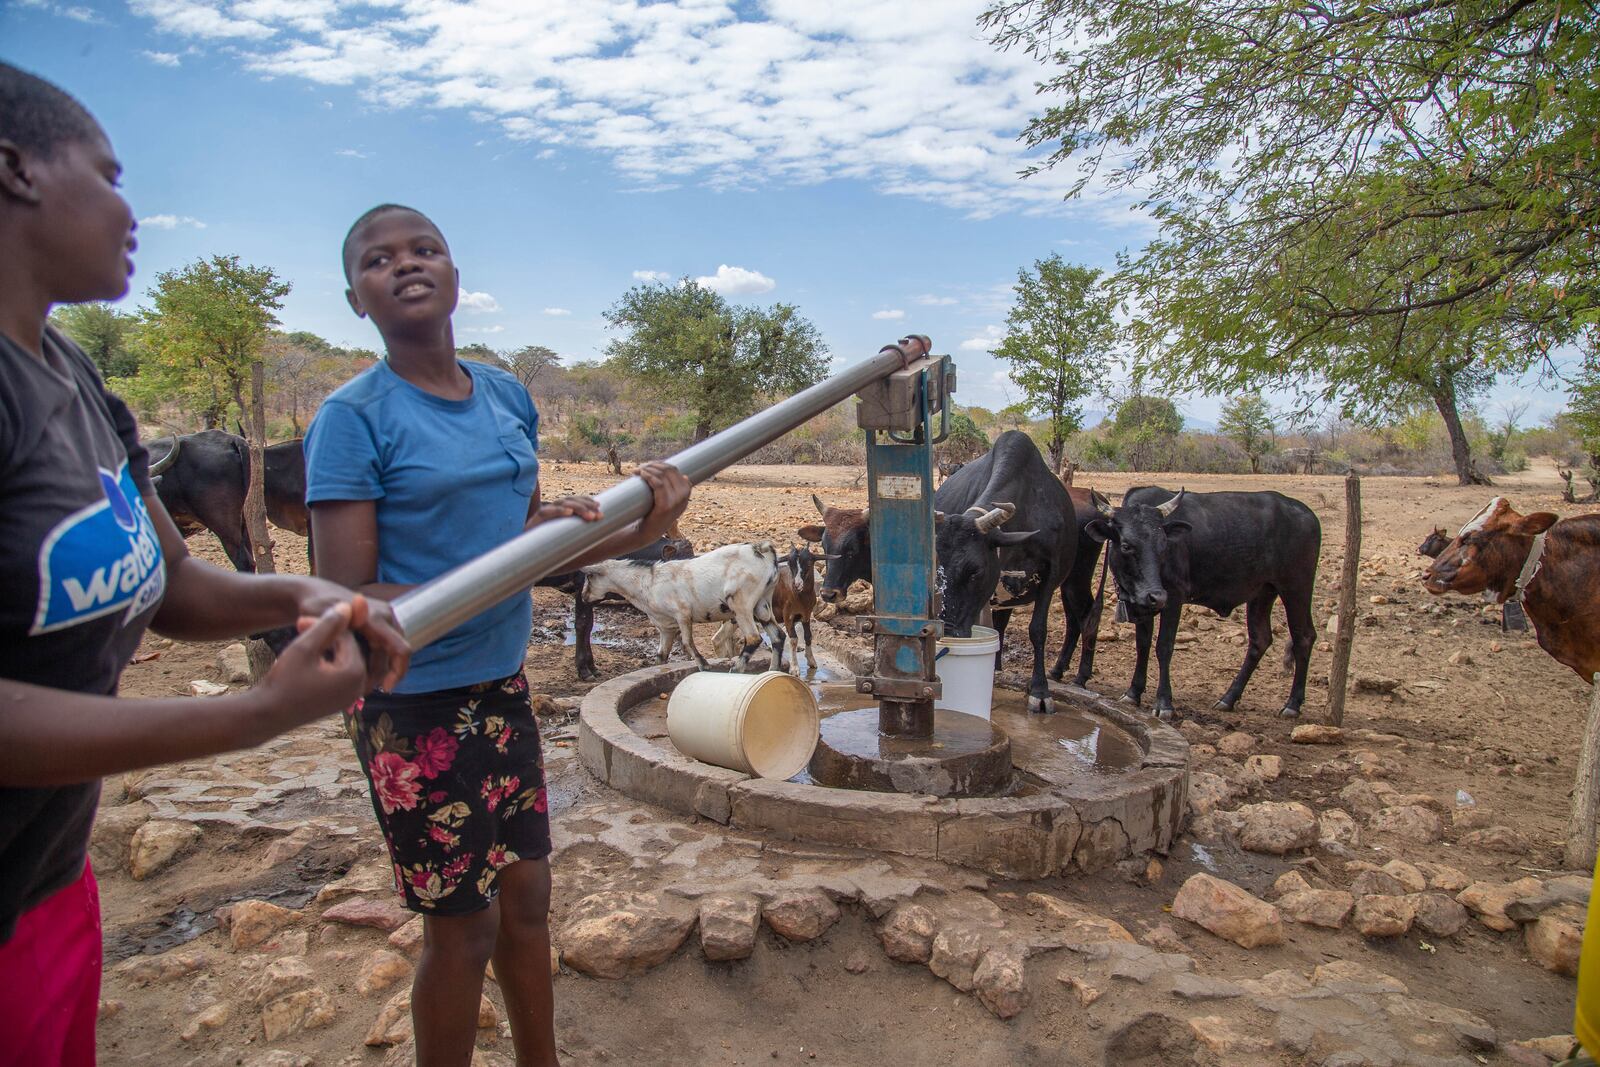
(1009, 535)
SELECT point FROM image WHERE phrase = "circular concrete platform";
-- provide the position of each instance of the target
(1089, 797)
(966, 756)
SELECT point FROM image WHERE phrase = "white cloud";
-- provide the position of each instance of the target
(736, 281)
(557, 311)
(480, 303)
(170, 222)
(353, 153)
(908, 98)
(929, 300)
(497, 328)
(986, 341)
(889, 313)
(163, 59)
(651, 276)
(76, 12)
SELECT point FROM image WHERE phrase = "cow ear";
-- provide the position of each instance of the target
(1011, 537)
(1537, 523)
(810, 533)
(1176, 528)
(668, 551)
(1099, 530)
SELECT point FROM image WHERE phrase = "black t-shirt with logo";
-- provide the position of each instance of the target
(81, 574)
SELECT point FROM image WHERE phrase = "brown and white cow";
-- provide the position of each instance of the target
(1558, 574)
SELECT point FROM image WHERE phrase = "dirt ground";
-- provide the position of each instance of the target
(1501, 726)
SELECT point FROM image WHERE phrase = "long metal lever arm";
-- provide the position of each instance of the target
(430, 611)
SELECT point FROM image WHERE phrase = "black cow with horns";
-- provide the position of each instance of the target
(1218, 550)
(1005, 511)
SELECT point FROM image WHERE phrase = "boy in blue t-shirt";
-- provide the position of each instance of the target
(417, 465)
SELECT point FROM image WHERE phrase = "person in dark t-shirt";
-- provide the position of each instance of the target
(88, 560)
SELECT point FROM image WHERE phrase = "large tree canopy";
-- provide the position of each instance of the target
(1059, 341)
(1367, 199)
(716, 359)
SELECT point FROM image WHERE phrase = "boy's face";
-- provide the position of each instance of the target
(400, 272)
(80, 227)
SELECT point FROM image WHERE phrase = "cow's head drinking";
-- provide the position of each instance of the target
(1489, 551)
(846, 546)
(1141, 538)
(968, 547)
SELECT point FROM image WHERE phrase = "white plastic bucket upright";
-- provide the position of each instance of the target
(762, 724)
(966, 670)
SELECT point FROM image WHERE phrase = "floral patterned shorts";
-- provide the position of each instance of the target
(457, 779)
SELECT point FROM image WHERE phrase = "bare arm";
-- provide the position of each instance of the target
(58, 737)
(345, 532)
(207, 603)
(671, 495)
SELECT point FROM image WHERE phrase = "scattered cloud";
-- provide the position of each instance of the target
(353, 153)
(171, 222)
(557, 311)
(651, 276)
(736, 281)
(496, 328)
(986, 341)
(163, 59)
(929, 300)
(76, 12)
(480, 303)
(911, 100)
(889, 313)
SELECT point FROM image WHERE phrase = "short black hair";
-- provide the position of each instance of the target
(366, 217)
(38, 117)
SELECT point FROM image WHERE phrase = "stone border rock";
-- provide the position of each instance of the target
(1084, 826)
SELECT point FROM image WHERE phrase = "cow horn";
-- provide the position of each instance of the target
(995, 519)
(1013, 574)
(160, 466)
(821, 510)
(1101, 504)
(1172, 505)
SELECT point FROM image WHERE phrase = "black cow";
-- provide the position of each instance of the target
(1435, 543)
(1218, 550)
(583, 610)
(1011, 484)
(202, 479)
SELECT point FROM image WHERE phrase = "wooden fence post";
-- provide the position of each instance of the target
(1583, 824)
(1339, 672)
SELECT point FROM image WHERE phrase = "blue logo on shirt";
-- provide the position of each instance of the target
(102, 558)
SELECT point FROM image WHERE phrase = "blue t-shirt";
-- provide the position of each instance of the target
(451, 480)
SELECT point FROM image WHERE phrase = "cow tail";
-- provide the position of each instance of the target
(1100, 591)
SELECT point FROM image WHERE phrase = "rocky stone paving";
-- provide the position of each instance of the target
(639, 888)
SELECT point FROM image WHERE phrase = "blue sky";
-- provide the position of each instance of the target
(856, 159)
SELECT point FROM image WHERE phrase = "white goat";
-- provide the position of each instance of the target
(729, 583)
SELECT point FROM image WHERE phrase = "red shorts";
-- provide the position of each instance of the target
(50, 970)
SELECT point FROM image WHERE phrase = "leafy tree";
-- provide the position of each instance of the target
(1144, 428)
(716, 359)
(1059, 339)
(965, 442)
(209, 323)
(1247, 421)
(1583, 413)
(104, 333)
(1380, 202)
(529, 362)
(302, 368)
(480, 353)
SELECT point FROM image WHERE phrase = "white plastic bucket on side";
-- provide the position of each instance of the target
(762, 724)
(966, 670)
